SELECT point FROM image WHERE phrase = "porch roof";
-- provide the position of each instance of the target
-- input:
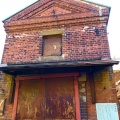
(77, 63)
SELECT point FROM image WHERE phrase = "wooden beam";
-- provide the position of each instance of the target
(77, 101)
(92, 86)
(15, 101)
(47, 76)
(11, 91)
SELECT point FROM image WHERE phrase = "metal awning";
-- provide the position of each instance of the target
(33, 65)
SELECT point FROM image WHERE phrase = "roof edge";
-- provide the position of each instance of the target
(104, 5)
(90, 1)
(97, 3)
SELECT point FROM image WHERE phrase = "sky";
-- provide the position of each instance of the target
(10, 7)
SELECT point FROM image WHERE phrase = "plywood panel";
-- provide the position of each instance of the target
(52, 45)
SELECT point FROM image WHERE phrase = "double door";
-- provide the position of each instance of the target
(46, 99)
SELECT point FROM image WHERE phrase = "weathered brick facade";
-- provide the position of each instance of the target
(78, 43)
(83, 38)
(83, 27)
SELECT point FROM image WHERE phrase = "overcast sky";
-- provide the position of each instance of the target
(9, 7)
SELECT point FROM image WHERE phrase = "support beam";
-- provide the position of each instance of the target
(47, 76)
(15, 101)
(92, 86)
(77, 101)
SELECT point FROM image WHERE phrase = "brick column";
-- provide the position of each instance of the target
(6, 89)
(82, 94)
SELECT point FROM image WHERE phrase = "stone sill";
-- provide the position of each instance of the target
(50, 58)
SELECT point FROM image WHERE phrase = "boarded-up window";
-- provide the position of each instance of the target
(52, 45)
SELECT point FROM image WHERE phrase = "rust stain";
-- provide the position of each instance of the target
(46, 99)
(31, 100)
(60, 102)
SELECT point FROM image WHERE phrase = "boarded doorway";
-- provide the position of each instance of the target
(46, 99)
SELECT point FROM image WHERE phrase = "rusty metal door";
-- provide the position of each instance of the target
(60, 104)
(31, 100)
(46, 99)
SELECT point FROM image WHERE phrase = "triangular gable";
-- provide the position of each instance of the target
(51, 11)
(58, 9)
(50, 7)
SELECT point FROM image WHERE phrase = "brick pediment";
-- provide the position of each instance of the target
(44, 8)
(55, 10)
(54, 13)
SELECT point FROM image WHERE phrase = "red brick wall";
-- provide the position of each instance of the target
(78, 43)
(84, 25)
(23, 47)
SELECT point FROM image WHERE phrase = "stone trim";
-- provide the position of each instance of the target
(52, 32)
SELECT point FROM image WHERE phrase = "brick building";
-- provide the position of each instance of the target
(56, 62)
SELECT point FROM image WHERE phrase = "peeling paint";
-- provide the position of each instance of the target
(84, 98)
(8, 86)
(50, 99)
(20, 35)
(82, 90)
